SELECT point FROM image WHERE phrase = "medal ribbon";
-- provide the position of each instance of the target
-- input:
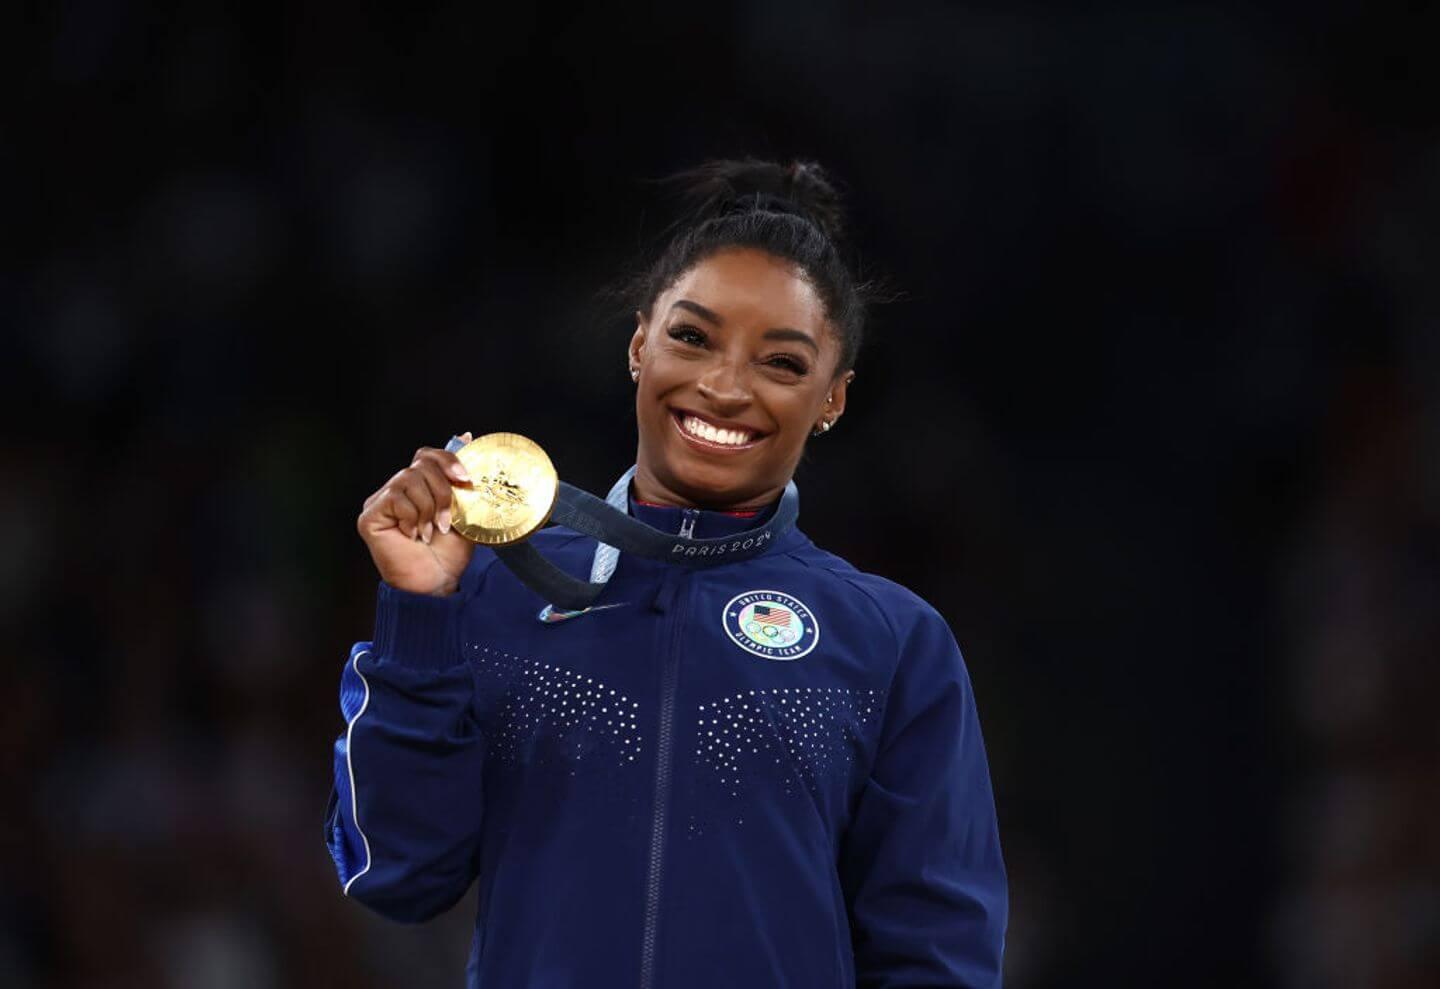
(617, 531)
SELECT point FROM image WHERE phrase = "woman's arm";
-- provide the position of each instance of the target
(920, 863)
(403, 821)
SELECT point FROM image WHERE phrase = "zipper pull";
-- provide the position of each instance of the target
(688, 518)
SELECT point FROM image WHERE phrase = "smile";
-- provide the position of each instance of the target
(712, 436)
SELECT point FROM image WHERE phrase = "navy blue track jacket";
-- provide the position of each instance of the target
(766, 773)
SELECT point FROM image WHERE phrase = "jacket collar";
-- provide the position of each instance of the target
(705, 524)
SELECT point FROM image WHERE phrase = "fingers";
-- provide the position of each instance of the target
(415, 487)
(449, 464)
(397, 505)
(440, 471)
(416, 499)
(382, 491)
(437, 490)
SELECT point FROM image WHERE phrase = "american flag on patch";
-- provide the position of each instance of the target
(768, 615)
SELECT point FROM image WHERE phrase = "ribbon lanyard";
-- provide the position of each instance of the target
(607, 557)
(615, 530)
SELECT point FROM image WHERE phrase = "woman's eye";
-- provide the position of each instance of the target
(687, 334)
(790, 364)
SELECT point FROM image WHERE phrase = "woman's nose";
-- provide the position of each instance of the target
(724, 386)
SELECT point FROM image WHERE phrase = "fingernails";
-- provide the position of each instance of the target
(458, 472)
(442, 521)
(466, 436)
(426, 531)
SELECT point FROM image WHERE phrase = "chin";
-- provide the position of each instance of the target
(711, 484)
(703, 484)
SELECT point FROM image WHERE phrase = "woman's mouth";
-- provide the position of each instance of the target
(713, 436)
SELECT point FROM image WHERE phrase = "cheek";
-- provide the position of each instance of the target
(663, 372)
(652, 402)
(795, 407)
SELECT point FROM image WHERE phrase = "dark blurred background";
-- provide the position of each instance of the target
(1161, 403)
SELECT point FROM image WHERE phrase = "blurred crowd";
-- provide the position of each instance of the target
(1159, 399)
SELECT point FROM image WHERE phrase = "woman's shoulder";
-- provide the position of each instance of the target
(900, 606)
(922, 639)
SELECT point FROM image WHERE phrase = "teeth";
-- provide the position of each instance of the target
(728, 437)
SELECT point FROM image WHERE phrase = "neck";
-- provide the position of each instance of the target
(649, 488)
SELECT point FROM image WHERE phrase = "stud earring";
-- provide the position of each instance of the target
(824, 427)
(634, 374)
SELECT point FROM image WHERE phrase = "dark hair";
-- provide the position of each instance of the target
(791, 211)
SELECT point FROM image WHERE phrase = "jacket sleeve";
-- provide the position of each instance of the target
(920, 862)
(403, 820)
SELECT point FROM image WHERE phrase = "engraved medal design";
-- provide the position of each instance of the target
(512, 492)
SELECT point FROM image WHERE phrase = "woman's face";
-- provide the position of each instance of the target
(736, 363)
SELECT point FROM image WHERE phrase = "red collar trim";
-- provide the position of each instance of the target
(739, 515)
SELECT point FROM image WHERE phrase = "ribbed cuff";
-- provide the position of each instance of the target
(417, 630)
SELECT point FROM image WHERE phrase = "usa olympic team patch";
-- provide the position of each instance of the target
(771, 624)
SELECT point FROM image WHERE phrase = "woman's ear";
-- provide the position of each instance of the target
(637, 344)
(835, 404)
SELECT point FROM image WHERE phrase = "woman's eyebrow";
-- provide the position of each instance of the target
(799, 336)
(699, 310)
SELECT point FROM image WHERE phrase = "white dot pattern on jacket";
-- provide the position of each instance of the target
(796, 737)
(533, 711)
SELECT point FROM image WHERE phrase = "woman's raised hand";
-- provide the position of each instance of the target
(406, 525)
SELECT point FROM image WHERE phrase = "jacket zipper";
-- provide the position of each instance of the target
(669, 598)
(688, 518)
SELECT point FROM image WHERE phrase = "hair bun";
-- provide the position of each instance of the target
(801, 187)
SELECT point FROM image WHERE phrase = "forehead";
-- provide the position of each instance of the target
(751, 289)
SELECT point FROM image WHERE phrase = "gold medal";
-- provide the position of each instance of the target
(512, 492)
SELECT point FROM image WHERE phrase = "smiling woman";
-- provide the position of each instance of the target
(684, 784)
(736, 366)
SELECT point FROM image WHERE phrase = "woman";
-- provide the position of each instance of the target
(766, 772)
